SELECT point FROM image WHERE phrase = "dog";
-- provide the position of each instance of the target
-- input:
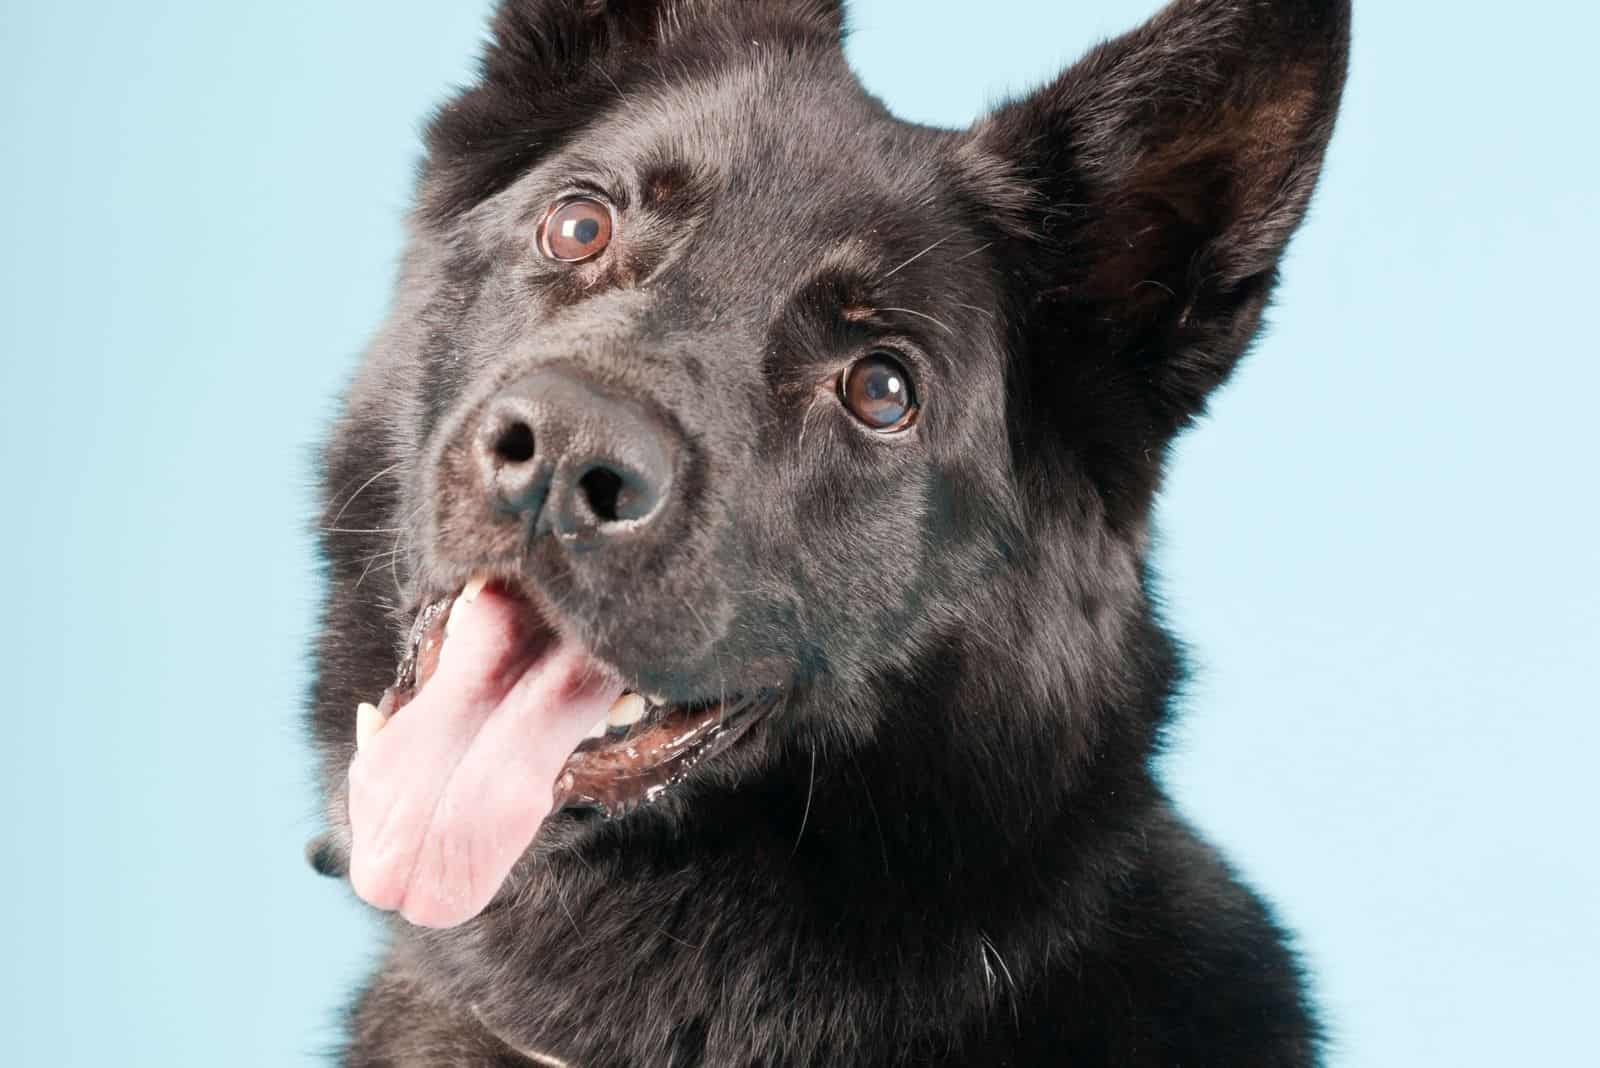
(739, 647)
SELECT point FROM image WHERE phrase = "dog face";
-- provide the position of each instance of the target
(792, 294)
(748, 399)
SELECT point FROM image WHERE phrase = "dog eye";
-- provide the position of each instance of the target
(878, 392)
(575, 230)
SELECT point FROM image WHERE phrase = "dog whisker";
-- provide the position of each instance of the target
(686, 945)
(968, 255)
(555, 885)
(811, 787)
(919, 255)
(872, 807)
(985, 312)
(986, 948)
(613, 82)
(922, 315)
(805, 420)
(394, 561)
(368, 484)
(372, 561)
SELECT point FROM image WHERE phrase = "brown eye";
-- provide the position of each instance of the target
(576, 230)
(878, 392)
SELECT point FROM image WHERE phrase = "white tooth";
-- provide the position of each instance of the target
(468, 594)
(657, 700)
(598, 730)
(628, 710)
(369, 721)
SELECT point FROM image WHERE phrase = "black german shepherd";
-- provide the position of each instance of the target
(737, 541)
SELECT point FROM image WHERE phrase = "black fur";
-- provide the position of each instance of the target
(948, 846)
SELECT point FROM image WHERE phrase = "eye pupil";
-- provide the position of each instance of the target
(575, 230)
(878, 392)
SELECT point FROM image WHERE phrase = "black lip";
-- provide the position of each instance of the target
(617, 776)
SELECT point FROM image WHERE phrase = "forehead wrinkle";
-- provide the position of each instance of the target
(842, 293)
(849, 264)
(865, 295)
(762, 118)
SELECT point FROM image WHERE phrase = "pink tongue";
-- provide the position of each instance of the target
(451, 792)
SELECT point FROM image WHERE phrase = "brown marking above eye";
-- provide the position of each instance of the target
(665, 183)
(576, 230)
(675, 190)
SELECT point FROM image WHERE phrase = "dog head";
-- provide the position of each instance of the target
(808, 426)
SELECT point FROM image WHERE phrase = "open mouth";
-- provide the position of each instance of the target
(642, 746)
(495, 720)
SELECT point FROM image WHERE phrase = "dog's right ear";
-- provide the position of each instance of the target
(552, 65)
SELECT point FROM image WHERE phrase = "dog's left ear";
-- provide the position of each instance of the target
(1148, 194)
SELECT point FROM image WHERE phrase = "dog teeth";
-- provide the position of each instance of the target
(369, 721)
(656, 700)
(628, 710)
(469, 593)
(474, 586)
(598, 730)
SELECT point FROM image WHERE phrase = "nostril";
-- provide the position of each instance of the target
(514, 444)
(556, 455)
(513, 472)
(602, 490)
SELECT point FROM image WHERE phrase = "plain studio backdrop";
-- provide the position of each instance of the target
(1381, 547)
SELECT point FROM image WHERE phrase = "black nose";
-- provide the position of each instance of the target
(574, 458)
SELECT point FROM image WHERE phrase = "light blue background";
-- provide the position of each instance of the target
(1382, 548)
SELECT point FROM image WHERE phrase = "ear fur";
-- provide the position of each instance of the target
(1161, 178)
(552, 65)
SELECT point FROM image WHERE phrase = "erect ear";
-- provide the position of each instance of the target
(551, 65)
(1160, 179)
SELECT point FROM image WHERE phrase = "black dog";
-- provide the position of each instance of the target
(780, 475)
